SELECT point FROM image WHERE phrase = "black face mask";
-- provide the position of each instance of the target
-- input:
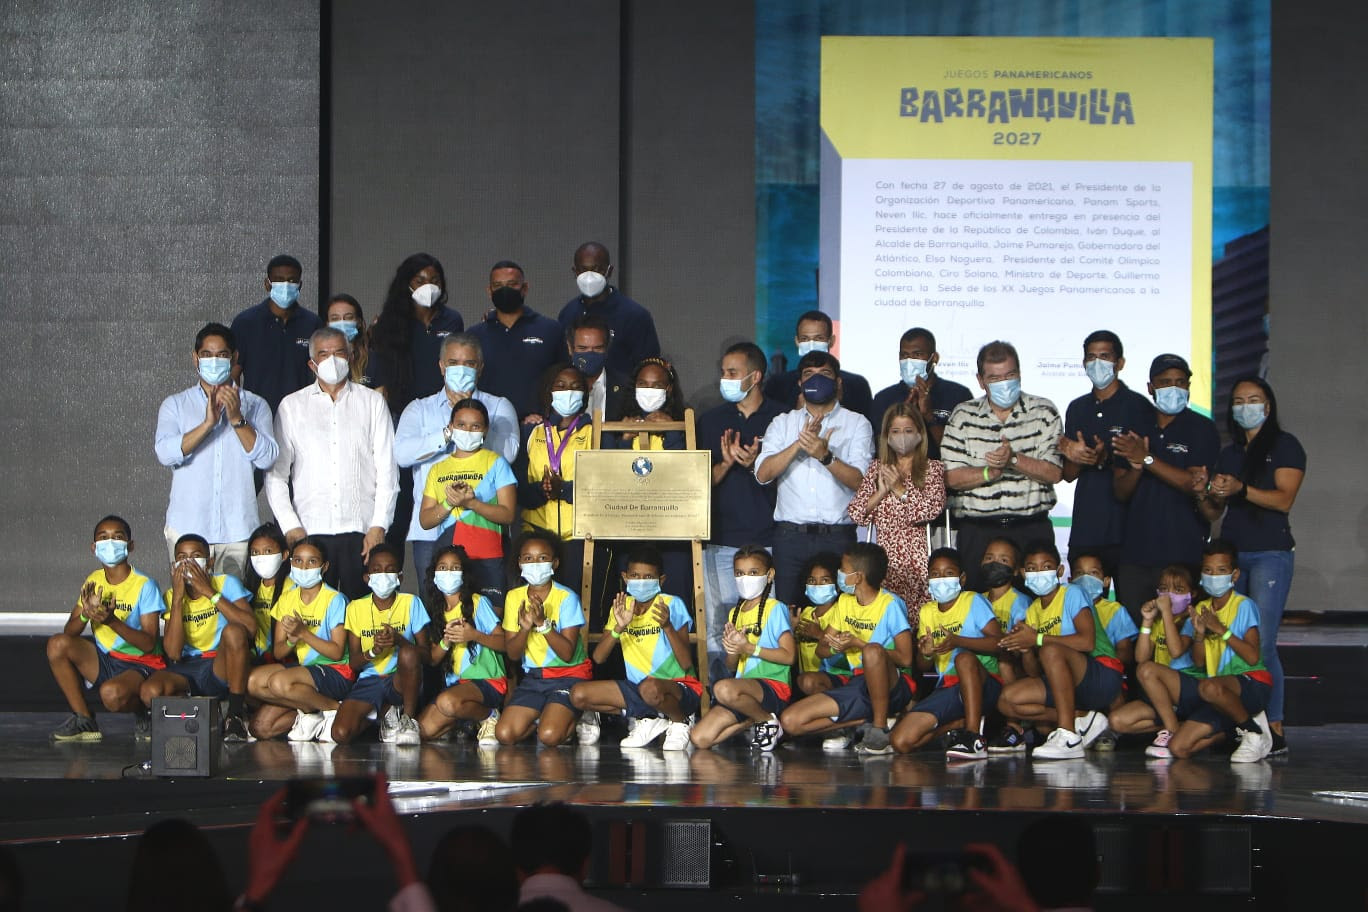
(507, 300)
(995, 574)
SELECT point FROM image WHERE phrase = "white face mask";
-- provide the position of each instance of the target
(469, 441)
(749, 587)
(426, 295)
(650, 399)
(267, 565)
(812, 345)
(332, 369)
(203, 562)
(591, 284)
(537, 573)
(383, 584)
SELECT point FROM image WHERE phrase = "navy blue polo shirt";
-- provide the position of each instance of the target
(634, 331)
(1163, 525)
(742, 508)
(1248, 526)
(516, 356)
(1099, 519)
(421, 376)
(855, 394)
(274, 353)
(945, 395)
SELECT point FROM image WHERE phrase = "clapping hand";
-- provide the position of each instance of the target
(999, 457)
(456, 631)
(1079, 452)
(1131, 447)
(384, 639)
(812, 441)
(622, 614)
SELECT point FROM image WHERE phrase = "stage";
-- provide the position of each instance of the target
(798, 827)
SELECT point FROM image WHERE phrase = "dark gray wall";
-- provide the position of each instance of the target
(1318, 287)
(153, 156)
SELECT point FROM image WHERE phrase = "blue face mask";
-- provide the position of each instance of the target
(306, 577)
(588, 363)
(383, 584)
(1004, 393)
(284, 294)
(1091, 586)
(215, 371)
(567, 403)
(448, 582)
(819, 389)
(911, 370)
(820, 595)
(847, 588)
(111, 551)
(944, 588)
(643, 590)
(1249, 415)
(347, 328)
(460, 378)
(731, 389)
(1217, 586)
(811, 346)
(1100, 372)
(1171, 399)
(1042, 582)
(538, 574)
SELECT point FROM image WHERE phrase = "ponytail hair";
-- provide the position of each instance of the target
(767, 559)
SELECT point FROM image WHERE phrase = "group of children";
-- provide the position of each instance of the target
(293, 657)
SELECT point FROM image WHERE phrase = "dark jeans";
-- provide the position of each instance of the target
(1137, 584)
(794, 543)
(975, 534)
(344, 563)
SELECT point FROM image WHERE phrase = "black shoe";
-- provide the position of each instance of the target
(235, 730)
(1279, 746)
(1008, 741)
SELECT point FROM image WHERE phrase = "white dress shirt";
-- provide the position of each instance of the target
(808, 492)
(598, 396)
(339, 457)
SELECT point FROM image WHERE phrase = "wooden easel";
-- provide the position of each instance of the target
(699, 638)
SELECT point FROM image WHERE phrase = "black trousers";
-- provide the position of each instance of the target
(975, 534)
(794, 543)
(344, 563)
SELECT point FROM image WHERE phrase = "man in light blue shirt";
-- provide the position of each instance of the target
(424, 437)
(818, 454)
(213, 435)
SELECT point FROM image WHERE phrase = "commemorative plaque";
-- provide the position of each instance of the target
(652, 494)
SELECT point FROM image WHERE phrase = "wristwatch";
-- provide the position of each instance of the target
(828, 459)
(1014, 459)
(240, 423)
(1148, 460)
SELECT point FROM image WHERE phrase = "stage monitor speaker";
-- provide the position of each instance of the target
(185, 736)
(685, 853)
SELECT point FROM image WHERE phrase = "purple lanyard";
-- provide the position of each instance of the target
(554, 453)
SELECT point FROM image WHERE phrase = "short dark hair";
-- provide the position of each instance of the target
(507, 264)
(472, 403)
(1094, 553)
(536, 533)
(192, 537)
(1041, 844)
(589, 321)
(1041, 546)
(819, 359)
(918, 332)
(283, 259)
(1223, 547)
(472, 868)
(313, 541)
(1004, 540)
(950, 554)
(869, 559)
(216, 329)
(386, 548)
(816, 316)
(755, 356)
(551, 835)
(128, 530)
(1105, 335)
(643, 553)
(996, 352)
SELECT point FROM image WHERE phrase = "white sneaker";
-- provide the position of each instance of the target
(676, 736)
(1061, 745)
(587, 729)
(389, 725)
(325, 730)
(407, 733)
(1159, 747)
(306, 726)
(486, 736)
(1090, 727)
(838, 743)
(766, 735)
(644, 732)
(1253, 748)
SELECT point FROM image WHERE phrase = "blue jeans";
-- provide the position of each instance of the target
(1266, 577)
(719, 588)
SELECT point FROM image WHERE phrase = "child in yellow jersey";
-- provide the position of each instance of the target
(543, 627)
(546, 484)
(957, 636)
(467, 641)
(302, 697)
(759, 647)
(121, 606)
(386, 640)
(808, 622)
(652, 627)
(1090, 575)
(1168, 678)
(1224, 628)
(208, 638)
(268, 577)
(869, 627)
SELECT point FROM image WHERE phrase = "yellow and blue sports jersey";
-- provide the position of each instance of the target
(878, 622)
(1010, 607)
(646, 649)
(406, 615)
(202, 620)
(765, 635)
(327, 611)
(967, 617)
(471, 661)
(1238, 616)
(1162, 655)
(807, 649)
(1057, 619)
(261, 610)
(562, 608)
(542, 441)
(1115, 619)
(134, 597)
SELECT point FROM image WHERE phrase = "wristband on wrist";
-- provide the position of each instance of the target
(617, 634)
(86, 620)
(215, 598)
(985, 474)
(543, 628)
(446, 506)
(1227, 635)
(1145, 630)
(1040, 639)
